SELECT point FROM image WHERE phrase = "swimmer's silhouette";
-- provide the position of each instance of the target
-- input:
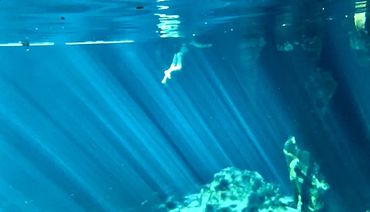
(176, 64)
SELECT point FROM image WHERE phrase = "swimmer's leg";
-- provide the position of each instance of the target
(176, 64)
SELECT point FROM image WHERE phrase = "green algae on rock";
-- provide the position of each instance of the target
(238, 190)
(309, 184)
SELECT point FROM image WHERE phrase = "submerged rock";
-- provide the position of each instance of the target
(308, 183)
(234, 190)
(321, 87)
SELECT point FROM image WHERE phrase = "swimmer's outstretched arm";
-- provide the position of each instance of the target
(200, 45)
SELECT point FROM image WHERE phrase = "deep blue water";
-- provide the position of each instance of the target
(92, 128)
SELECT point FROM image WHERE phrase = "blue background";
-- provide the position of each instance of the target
(91, 128)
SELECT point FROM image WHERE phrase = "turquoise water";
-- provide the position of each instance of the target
(91, 121)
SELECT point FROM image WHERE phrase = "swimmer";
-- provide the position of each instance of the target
(176, 64)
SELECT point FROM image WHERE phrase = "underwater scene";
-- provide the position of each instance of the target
(184, 105)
